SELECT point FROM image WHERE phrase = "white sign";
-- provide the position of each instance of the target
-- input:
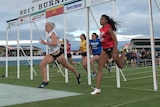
(95, 2)
(12, 22)
(38, 16)
(24, 20)
(42, 5)
(74, 6)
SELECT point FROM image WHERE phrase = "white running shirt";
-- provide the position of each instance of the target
(52, 48)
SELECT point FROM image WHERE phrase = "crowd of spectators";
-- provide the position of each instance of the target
(140, 57)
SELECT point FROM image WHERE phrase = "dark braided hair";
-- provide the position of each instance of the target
(113, 23)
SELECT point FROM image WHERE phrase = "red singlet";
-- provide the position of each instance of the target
(107, 40)
(68, 47)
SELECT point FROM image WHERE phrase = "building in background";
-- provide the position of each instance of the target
(24, 51)
(140, 43)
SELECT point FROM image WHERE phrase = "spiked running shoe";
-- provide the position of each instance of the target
(43, 84)
(93, 74)
(109, 70)
(79, 79)
(96, 91)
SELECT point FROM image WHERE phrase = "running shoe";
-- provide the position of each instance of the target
(3, 76)
(79, 79)
(78, 63)
(93, 75)
(43, 84)
(109, 70)
(96, 91)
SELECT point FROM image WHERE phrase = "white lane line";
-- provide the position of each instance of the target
(13, 94)
(129, 102)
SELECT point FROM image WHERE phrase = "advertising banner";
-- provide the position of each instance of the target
(55, 11)
(24, 20)
(74, 6)
(38, 16)
(42, 5)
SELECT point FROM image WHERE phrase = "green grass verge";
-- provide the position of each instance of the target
(137, 91)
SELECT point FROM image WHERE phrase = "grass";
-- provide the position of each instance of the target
(137, 91)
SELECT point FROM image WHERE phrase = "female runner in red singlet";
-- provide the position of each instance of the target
(109, 45)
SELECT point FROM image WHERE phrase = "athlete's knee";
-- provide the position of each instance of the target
(100, 66)
(91, 61)
(114, 57)
(85, 65)
(41, 65)
(120, 65)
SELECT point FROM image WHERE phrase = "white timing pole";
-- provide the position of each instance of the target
(114, 9)
(87, 42)
(118, 77)
(18, 46)
(152, 47)
(6, 73)
(46, 54)
(117, 69)
(65, 48)
(31, 53)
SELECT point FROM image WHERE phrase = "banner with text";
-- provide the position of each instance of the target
(43, 5)
(38, 16)
(74, 6)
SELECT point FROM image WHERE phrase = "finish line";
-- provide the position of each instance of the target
(13, 94)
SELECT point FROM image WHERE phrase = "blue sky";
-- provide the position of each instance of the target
(132, 15)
